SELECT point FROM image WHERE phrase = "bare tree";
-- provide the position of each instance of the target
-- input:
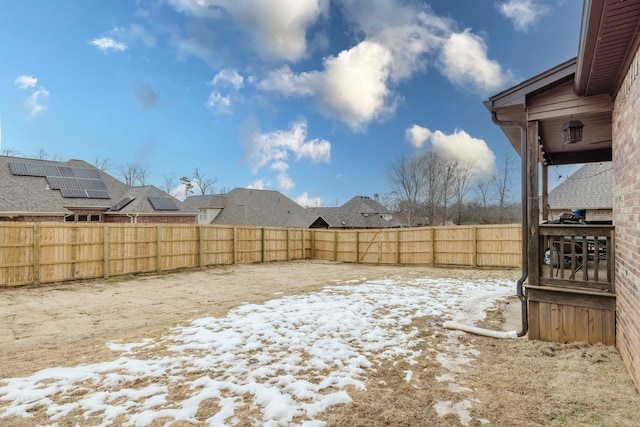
(464, 174)
(43, 154)
(433, 193)
(204, 184)
(407, 180)
(484, 189)
(448, 178)
(10, 152)
(103, 163)
(169, 182)
(133, 173)
(502, 184)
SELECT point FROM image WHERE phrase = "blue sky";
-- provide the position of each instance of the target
(313, 98)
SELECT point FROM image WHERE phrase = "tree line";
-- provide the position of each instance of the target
(434, 190)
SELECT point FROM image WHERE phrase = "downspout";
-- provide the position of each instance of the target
(133, 218)
(525, 245)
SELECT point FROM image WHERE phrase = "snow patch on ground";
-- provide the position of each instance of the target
(286, 360)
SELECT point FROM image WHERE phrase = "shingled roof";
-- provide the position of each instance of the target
(34, 187)
(359, 212)
(267, 208)
(590, 187)
(245, 206)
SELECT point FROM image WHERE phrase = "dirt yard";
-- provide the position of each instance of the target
(508, 382)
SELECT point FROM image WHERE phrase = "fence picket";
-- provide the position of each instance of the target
(33, 253)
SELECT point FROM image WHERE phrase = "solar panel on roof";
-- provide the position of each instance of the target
(55, 182)
(97, 194)
(122, 203)
(71, 181)
(163, 203)
(73, 193)
(65, 171)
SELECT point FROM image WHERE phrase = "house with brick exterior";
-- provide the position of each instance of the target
(33, 190)
(268, 208)
(584, 110)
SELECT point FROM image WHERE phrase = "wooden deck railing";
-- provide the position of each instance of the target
(577, 256)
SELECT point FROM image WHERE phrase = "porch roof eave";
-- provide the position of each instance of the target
(511, 103)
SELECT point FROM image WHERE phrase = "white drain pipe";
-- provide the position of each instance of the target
(480, 331)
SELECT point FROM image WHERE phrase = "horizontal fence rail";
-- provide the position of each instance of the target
(34, 253)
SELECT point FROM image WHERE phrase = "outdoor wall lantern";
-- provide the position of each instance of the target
(572, 131)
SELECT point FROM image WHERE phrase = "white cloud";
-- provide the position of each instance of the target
(227, 77)
(356, 86)
(106, 44)
(417, 135)
(257, 185)
(219, 103)
(351, 88)
(462, 147)
(277, 27)
(33, 104)
(465, 63)
(25, 81)
(285, 182)
(275, 149)
(308, 202)
(279, 145)
(409, 31)
(523, 13)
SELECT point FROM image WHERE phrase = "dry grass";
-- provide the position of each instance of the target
(504, 382)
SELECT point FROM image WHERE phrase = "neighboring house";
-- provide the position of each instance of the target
(34, 190)
(267, 208)
(596, 93)
(359, 212)
(590, 188)
(244, 206)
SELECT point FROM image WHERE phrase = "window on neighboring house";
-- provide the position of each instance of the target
(83, 218)
(70, 218)
(95, 218)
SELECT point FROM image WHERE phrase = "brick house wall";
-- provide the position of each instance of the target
(626, 217)
(152, 219)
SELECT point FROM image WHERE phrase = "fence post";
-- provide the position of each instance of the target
(159, 249)
(288, 248)
(304, 247)
(263, 249)
(433, 245)
(235, 246)
(36, 253)
(357, 246)
(474, 243)
(398, 246)
(200, 246)
(335, 245)
(313, 244)
(105, 250)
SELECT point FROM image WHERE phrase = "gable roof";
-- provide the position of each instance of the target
(590, 187)
(359, 212)
(245, 206)
(44, 187)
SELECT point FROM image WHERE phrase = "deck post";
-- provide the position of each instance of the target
(533, 203)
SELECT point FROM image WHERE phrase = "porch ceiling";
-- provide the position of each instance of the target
(610, 32)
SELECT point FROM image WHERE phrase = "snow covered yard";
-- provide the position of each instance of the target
(282, 362)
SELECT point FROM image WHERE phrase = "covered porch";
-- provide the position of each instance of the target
(569, 265)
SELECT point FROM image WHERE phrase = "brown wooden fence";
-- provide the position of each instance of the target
(33, 253)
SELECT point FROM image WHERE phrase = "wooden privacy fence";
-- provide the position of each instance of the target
(33, 253)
